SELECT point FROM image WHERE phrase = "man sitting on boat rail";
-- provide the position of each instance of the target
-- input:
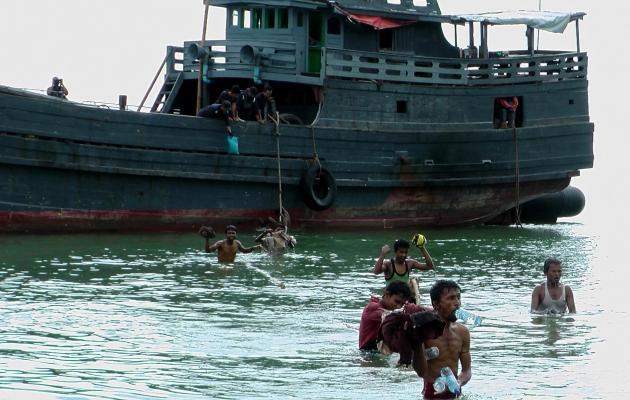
(399, 267)
(218, 111)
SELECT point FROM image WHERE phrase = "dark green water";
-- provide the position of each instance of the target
(153, 316)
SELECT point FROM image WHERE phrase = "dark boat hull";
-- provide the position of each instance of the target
(68, 167)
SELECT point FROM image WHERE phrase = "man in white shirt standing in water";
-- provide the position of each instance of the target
(552, 297)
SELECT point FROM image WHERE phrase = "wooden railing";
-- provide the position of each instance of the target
(406, 68)
(279, 62)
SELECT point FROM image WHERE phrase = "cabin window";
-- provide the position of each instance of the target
(401, 106)
(385, 39)
(420, 3)
(235, 20)
(270, 18)
(393, 1)
(257, 18)
(247, 19)
(334, 26)
(300, 19)
(283, 18)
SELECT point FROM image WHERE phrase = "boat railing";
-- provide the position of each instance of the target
(514, 68)
(273, 59)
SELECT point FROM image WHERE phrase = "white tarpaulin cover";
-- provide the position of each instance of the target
(551, 21)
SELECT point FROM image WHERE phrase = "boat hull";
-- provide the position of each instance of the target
(68, 167)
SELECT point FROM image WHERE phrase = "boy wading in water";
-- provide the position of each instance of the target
(228, 247)
(399, 267)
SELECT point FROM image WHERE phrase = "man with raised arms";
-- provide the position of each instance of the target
(228, 247)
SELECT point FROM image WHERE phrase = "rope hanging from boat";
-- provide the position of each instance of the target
(312, 126)
(283, 214)
(517, 168)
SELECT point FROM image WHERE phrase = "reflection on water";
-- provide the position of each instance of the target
(152, 316)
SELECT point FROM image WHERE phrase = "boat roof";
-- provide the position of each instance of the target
(420, 10)
(399, 9)
(552, 21)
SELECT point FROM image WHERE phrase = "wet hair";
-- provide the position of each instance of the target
(398, 287)
(439, 287)
(230, 228)
(401, 244)
(235, 89)
(253, 90)
(548, 262)
(267, 87)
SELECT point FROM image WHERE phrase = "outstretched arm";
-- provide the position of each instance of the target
(570, 300)
(247, 249)
(214, 247)
(378, 267)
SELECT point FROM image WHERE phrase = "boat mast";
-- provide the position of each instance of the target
(202, 59)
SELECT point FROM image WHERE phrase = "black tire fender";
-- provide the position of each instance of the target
(319, 188)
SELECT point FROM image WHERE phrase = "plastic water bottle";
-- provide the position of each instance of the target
(439, 385)
(431, 353)
(467, 317)
(451, 381)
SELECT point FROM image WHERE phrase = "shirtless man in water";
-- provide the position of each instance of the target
(552, 297)
(399, 267)
(228, 247)
(453, 345)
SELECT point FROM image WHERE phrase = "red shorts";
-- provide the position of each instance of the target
(429, 393)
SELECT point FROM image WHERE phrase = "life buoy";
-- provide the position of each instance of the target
(319, 188)
(509, 104)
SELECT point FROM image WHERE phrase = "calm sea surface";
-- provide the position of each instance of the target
(154, 317)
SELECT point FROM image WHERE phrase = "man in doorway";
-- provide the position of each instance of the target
(399, 267)
(228, 247)
(396, 293)
(453, 344)
(552, 297)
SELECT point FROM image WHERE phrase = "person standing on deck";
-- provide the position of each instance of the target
(228, 247)
(552, 297)
(399, 267)
(453, 344)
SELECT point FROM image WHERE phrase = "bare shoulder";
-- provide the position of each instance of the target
(461, 330)
(538, 289)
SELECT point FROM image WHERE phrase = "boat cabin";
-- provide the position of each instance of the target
(300, 45)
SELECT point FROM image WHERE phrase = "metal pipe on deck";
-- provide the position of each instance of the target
(577, 33)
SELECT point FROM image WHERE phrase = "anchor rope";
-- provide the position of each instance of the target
(283, 214)
(517, 174)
